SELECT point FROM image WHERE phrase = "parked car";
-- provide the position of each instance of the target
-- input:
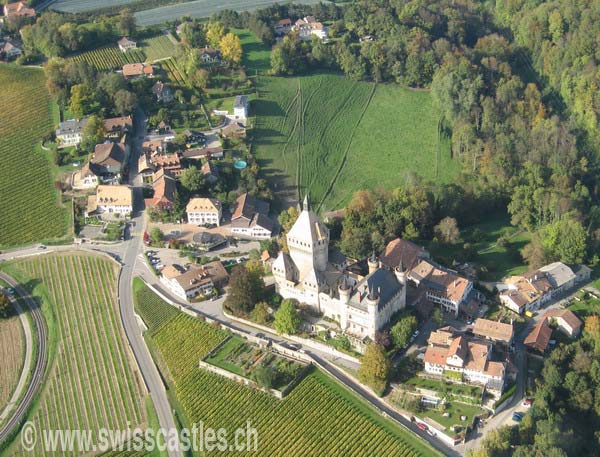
(527, 403)
(422, 426)
(42, 246)
(517, 417)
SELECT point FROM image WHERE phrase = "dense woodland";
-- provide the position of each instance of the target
(516, 84)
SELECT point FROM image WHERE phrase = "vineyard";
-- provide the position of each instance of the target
(30, 208)
(110, 58)
(12, 353)
(330, 136)
(153, 311)
(318, 417)
(158, 47)
(173, 72)
(92, 381)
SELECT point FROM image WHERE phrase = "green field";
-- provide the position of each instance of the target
(317, 417)
(257, 56)
(330, 136)
(158, 47)
(30, 209)
(92, 380)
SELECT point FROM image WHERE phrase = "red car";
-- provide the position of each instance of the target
(527, 403)
(422, 426)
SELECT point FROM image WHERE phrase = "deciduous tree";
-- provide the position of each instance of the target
(375, 367)
(287, 319)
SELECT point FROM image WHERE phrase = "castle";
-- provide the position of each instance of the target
(361, 305)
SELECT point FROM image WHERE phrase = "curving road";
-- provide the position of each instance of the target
(40, 364)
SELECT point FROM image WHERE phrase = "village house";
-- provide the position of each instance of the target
(109, 158)
(403, 254)
(70, 132)
(496, 332)
(204, 153)
(117, 127)
(283, 26)
(126, 44)
(361, 306)
(194, 281)
(165, 191)
(250, 218)
(84, 179)
(111, 200)
(532, 290)
(538, 339)
(162, 92)
(449, 353)
(10, 49)
(204, 211)
(210, 55)
(234, 130)
(308, 27)
(145, 168)
(441, 286)
(240, 107)
(168, 162)
(153, 147)
(137, 70)
(17, 10)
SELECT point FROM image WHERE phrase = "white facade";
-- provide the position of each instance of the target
(361, 307)
(177, 289)
(256, 231)
(240, 107)
(200, 218)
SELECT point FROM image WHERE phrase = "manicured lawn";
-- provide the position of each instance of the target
(30, 209)
(439, 386)
(585, 307)
(455, 411)
(220, 358)
(257, 56)
(329, 136)
(92, 381)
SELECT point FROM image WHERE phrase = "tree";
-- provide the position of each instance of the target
(156, 236)
(263, 376)
(231, 48)
(124, 102)
(199, 78)
(375, 367)
(402, 331)
(565, 240)
(287, 319)
(93, 132)
(192, 179)
(286, 220)
(215, 32)
(260, 314)
(126, 22)
(80, 100)
(447, 231)
(437, 317)
(5, 306)
(246, 289)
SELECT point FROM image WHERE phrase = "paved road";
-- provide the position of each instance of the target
(40, 364)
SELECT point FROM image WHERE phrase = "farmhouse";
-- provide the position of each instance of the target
(240, 107)
(165, 191)
(283, 27)
(360, 305)
(126, 44)
(494, 331)
(403, 254)
(112, 200)
(565, 320)
(168, 162)
(309, 26)
(250, 218)
(70, 133)
(532, 290)
(196, 280)
(17, 10)
(234, 130)
(204, 211)
(448, 354)
(137, 70)
(539, 337)
(162, 92)
(441, 286)
(84, 179)
(108, 158)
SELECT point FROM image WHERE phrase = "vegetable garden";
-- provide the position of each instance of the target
(318, 417)
(92, 381)
(30, 208)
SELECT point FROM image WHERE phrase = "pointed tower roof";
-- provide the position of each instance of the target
(308, 228)
(305, 203)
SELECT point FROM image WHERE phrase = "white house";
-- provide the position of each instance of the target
(196, 280)
(361, 306)
(250, 218)
(308, 27)
(70, 132)
(204, 211)
(126, 44)
(240, 107)
(85, 178)
(112, 200)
